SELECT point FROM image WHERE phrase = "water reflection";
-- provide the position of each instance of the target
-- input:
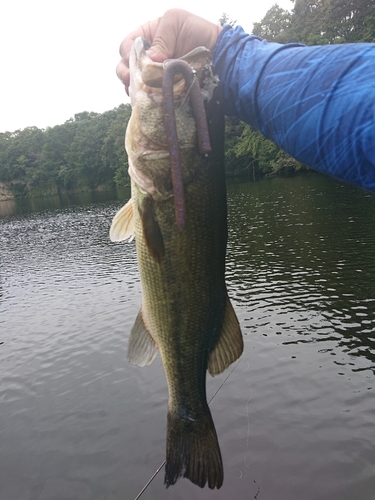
(26, 205)
(305, 254)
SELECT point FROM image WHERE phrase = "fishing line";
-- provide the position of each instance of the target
(230, 373)
(150, 480)
(189, 89)
(162, 465)
(248, 418)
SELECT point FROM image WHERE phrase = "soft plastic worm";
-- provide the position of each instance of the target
(199, 113)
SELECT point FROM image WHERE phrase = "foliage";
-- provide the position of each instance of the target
(225, 19)
(254, 155)
(318, 22)
(85, 152)
(275, 25)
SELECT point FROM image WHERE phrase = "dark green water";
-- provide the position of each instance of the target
(295, 419)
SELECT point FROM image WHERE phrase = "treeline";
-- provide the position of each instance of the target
(84, 153)
(87, 152)
(319, 22)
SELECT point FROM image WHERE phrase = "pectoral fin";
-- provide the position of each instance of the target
(230, 344)
(142, 348)
(151, 229)
(122, 226)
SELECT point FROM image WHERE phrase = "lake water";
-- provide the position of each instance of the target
(296, 417)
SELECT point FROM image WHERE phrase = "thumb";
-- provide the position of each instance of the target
(162, 48)
(157, 54)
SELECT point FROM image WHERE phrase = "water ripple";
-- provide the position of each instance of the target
(284, 260)
(79, 422)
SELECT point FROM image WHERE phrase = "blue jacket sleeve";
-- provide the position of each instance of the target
(317, 103)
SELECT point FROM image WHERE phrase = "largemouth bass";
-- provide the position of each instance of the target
(186, 313)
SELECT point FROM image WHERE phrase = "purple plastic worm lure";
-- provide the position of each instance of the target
(181, 67)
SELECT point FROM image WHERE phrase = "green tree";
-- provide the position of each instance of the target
(56, 147)
(368, 32)
(83, 153)
(318, 22)
(113, 152)
(262, 156)
(21, 156)
(275, 25)
(225, 19)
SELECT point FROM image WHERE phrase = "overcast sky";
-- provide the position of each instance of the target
(58, 58)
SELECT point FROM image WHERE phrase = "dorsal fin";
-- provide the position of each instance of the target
(229, 347)
(122, 226)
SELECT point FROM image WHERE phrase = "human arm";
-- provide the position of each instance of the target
(316, 103)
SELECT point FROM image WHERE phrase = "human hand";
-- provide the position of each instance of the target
(173, 35)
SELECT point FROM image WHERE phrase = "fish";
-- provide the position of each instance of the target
(186, 314)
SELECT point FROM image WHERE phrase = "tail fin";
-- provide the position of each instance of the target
(193, 451)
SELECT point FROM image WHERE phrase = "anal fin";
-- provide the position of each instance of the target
(229, 347)
(142, 348)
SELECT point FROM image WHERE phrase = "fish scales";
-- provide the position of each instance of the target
(185, 314)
